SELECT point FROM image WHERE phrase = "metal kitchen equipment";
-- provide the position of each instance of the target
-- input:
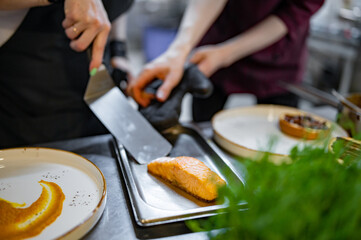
(155, 202)
(125, 123)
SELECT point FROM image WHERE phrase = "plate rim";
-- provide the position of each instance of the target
(259, 106)
(103, 196)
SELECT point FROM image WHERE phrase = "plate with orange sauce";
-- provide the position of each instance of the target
(48, 194)
(253, 131)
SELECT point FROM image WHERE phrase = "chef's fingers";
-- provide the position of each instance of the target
(84, 40)
(172, 80)
(98, 49)
(197, 57)
(75, 30)
(98, 39)
(204, 68)
(136, 86)
(200, 58)
(68, 22)
(141, 97)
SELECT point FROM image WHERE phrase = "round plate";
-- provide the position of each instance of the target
(82, 183)
(247, 131)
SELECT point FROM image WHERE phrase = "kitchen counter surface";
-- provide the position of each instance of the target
(117, 221)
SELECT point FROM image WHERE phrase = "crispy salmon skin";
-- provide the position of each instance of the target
(189, 174)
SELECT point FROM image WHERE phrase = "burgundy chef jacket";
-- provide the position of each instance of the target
(284, 60)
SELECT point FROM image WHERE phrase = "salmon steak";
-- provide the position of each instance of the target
(189, 174)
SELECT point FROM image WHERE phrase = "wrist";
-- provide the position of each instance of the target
(231, 52)
(181, 47)
(226, 54)
(177, 53)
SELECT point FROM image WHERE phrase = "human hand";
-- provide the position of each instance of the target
(167, 67)
(86, 22)
(209, 59)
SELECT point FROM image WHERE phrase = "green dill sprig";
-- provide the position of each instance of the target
(313, 197)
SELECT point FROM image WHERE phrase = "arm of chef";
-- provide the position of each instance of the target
(198, 17)
(296, 14)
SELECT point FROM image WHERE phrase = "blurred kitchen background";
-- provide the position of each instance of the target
(334, 47)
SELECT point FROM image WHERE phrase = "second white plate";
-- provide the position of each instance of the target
(247, 131)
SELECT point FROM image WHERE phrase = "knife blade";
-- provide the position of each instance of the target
(124, 122)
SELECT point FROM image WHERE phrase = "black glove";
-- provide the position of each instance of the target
(163, 115)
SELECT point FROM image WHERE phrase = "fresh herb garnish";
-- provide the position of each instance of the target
(313, 197)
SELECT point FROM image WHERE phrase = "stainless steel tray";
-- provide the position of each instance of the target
(155, 202)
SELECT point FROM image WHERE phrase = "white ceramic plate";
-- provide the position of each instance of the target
(81, 181)
(247, 131)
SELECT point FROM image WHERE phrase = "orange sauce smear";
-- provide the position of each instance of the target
(19, 223)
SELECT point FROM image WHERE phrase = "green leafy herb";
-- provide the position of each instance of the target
(313, 197)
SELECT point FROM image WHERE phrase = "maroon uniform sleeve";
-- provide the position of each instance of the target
(296, 14)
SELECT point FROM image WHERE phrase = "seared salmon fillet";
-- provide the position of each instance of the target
(189, 174)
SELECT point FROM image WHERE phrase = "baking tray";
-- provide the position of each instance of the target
(156, 202)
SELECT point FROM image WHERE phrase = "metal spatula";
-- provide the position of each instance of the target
(126, 124)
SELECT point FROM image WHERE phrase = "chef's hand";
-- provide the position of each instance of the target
(209, 59)
(167, 67)
(86, 22)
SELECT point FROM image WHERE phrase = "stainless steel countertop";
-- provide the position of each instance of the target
(117, 221)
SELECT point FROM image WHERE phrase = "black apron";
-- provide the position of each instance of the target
(42, 81)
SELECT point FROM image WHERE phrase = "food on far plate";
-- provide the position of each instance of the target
(303, 126)
(189, 174)
(18, 221)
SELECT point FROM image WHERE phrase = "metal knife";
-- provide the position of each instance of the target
(124, 122)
